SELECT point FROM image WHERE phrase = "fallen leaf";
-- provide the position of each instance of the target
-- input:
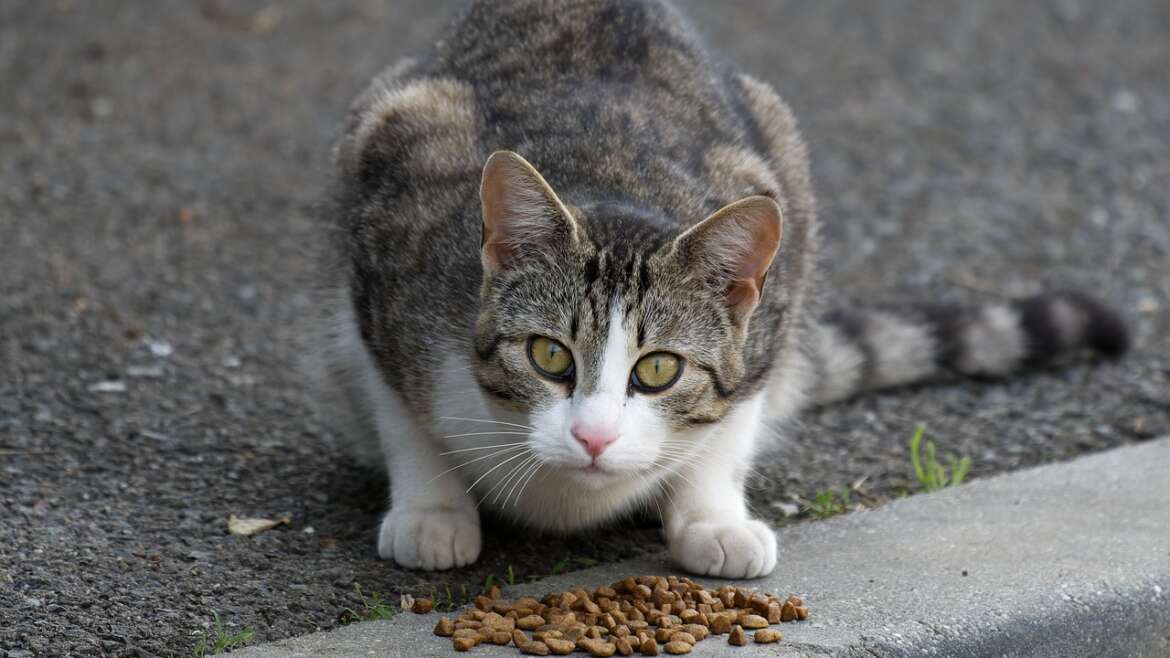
(249, 527)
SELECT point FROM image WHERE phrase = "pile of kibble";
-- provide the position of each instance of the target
(633, 615)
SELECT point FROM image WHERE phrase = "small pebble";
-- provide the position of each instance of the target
(738, 637)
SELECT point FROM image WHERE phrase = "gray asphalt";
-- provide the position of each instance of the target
(159, 163)
(943, 574)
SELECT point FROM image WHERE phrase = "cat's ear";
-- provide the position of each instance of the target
(521, 213)
(734, 248)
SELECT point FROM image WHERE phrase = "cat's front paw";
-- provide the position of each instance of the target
(430, 538)
(727, 549)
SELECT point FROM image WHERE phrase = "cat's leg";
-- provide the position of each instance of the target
(432, 522)
(708, 529)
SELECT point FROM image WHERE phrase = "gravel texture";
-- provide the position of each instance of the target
(159, 162)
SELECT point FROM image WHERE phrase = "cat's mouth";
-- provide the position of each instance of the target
(596, 471)
(593, 475)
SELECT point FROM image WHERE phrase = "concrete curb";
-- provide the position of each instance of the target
(1069, 559)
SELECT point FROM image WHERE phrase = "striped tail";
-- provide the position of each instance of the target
(860, 350)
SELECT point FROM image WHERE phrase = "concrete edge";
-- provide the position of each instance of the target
(1065, 559)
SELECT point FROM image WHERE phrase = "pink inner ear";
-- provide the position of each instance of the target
(743, 293)
(741, 240)
(519, 209)
(498, 197)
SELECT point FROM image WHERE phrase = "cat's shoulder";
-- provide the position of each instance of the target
(409, 120)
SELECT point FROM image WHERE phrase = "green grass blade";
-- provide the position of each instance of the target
(915, 442)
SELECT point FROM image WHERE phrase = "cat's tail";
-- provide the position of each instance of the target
(857, 350)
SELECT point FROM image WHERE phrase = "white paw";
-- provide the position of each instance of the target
(727, 549)
(430, 539)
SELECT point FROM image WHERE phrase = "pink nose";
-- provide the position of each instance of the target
(594, 441)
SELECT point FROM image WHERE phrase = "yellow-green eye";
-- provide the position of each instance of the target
(656, 372)
(550, 358)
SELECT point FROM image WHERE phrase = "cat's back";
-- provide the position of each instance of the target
(606, 97)
(609, 99)
(497, 44)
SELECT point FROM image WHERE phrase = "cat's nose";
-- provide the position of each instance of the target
(594, 440)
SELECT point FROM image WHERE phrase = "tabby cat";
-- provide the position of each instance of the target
(575, 273)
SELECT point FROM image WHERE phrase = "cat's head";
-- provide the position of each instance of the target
(620, 339)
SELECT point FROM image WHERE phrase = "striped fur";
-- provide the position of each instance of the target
(639, 198)
(870, 349)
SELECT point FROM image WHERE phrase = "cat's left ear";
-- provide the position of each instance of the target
(734, 247)
(522, 216)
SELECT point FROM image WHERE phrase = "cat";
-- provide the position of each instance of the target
(575, 270)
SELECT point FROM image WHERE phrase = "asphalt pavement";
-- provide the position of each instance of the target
(160, 162)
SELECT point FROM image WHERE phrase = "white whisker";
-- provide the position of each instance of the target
(676, 458)
(529, 463)
(522, 452)
(539, 465)
(517, 473)
(501, 445)
(456, 436)
(503, 482)
(484, 420)
(667, 466)
(472, 461)
(651, 494)
(667, 490)
(489, 491)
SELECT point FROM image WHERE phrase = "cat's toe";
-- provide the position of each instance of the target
(430, 539)
(737, 549)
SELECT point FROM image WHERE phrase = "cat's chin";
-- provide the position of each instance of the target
(592, 477)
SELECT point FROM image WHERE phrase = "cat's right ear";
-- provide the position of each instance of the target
(522, 216)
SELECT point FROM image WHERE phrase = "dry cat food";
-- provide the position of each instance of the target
(644, 614)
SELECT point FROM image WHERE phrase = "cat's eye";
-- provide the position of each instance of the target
(550, 358)
(656, 372)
